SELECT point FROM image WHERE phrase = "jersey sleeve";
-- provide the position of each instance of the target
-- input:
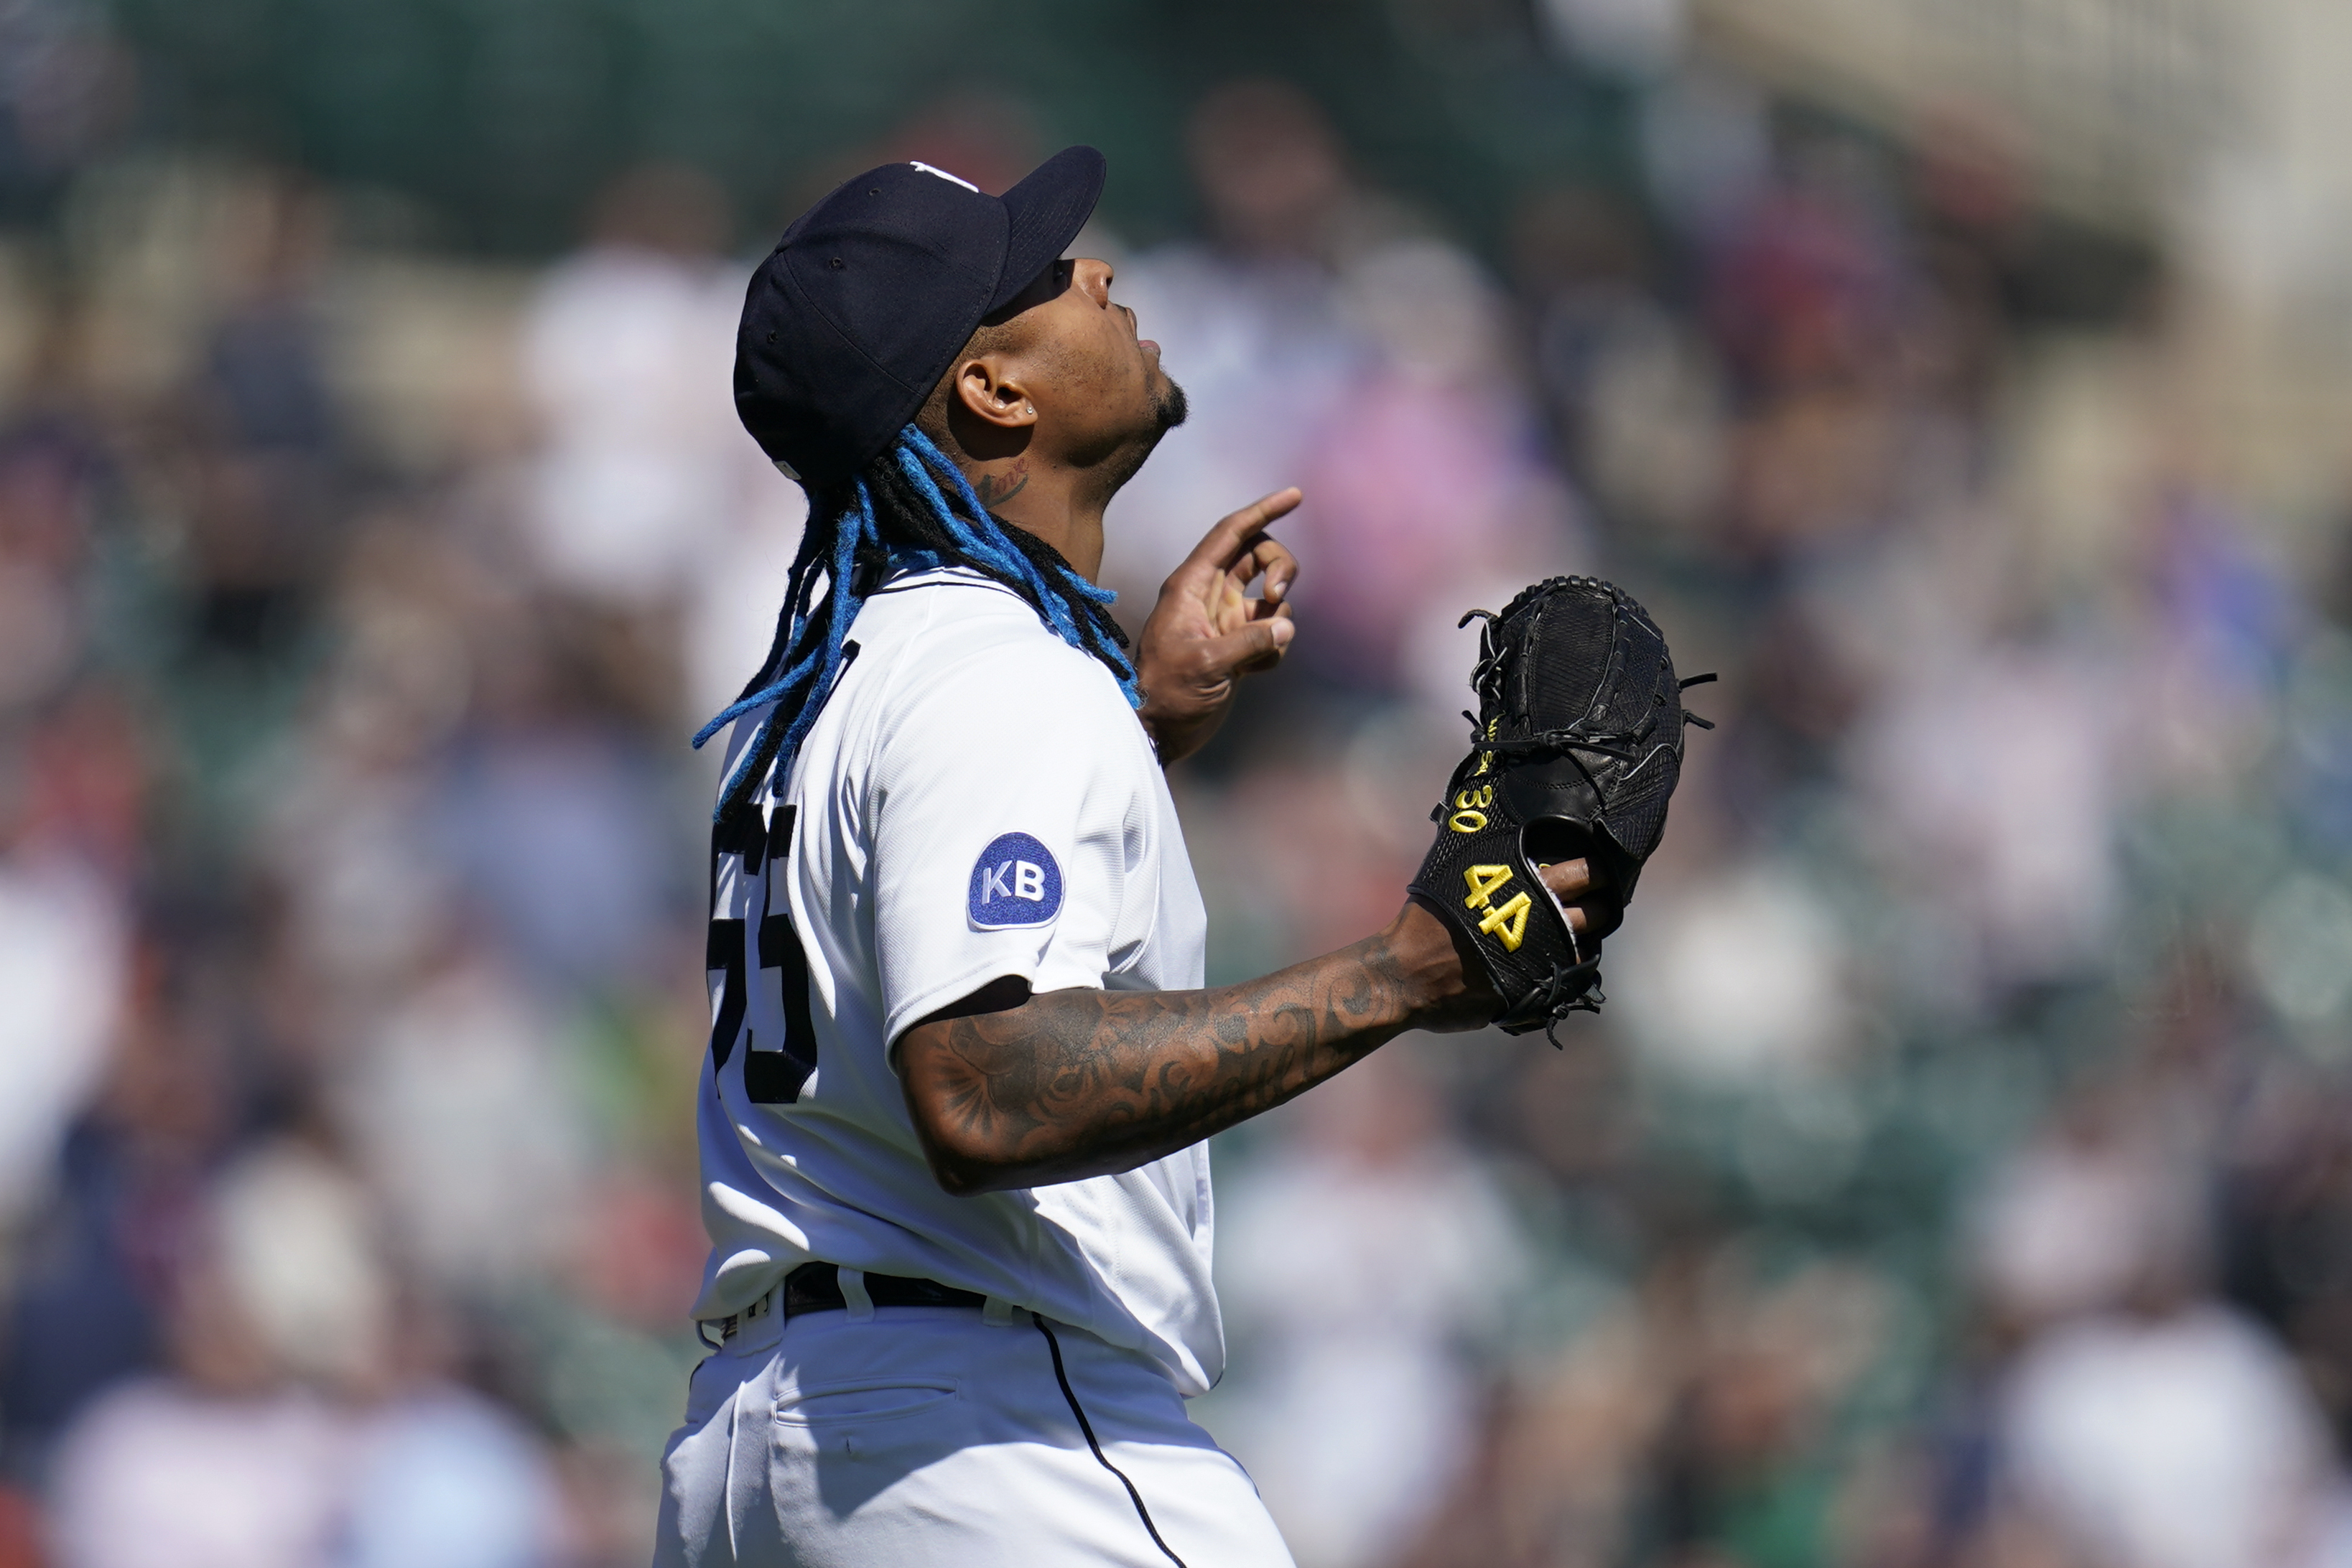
(1008, 815)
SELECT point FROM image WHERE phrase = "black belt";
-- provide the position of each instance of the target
(816, 1287)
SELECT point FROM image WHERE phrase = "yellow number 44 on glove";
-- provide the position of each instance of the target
(1506, 922)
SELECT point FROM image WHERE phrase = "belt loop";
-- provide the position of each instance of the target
(854, 1296)
(996, 1312)
(741, 1332)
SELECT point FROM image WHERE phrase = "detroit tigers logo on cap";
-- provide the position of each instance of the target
(943, 174)
(1014, 883)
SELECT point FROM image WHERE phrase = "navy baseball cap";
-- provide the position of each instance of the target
(860, 309)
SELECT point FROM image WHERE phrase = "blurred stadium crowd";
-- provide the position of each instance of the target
(1961, 1175)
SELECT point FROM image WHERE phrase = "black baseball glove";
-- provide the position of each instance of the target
(1575, 749)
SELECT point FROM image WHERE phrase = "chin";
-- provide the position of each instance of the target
(1168, 411)
(1168, 405)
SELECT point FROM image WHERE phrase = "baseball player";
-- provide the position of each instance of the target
(962, 1061)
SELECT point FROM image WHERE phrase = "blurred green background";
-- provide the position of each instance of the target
(1959, 1174)
(497, 123)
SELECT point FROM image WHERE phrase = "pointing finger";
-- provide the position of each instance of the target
(1220, 547)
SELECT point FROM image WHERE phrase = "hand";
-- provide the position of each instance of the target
(1583, 892)
(1456, 995)
(1204, 633)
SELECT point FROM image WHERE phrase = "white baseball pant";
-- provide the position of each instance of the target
(912, 1437)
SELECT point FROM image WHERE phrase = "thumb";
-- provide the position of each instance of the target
(1257, 647)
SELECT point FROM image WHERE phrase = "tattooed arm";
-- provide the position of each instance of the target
(1011, 1090)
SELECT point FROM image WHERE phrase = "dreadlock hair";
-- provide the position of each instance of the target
(895, 510)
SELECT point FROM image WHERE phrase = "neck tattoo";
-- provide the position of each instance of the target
(995, 489)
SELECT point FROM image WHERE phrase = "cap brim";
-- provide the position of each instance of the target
(1047, 209)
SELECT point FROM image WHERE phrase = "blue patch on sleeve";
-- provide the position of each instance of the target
(1014, 883)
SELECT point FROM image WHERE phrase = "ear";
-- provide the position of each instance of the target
(989, 391)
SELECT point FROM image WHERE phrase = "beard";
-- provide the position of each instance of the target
(1169, 409)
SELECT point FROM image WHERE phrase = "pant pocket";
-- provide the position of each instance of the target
(863, 1400)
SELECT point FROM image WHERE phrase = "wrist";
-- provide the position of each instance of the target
(1173, 735)
(1442, 985)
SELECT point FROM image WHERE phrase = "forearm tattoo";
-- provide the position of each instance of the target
(1084, 1082)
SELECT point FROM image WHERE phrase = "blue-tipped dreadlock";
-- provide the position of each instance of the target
(986, 545)
(853, 541)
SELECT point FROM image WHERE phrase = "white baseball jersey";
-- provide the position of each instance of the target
(976, 800)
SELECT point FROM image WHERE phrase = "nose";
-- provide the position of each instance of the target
(1094, 277)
